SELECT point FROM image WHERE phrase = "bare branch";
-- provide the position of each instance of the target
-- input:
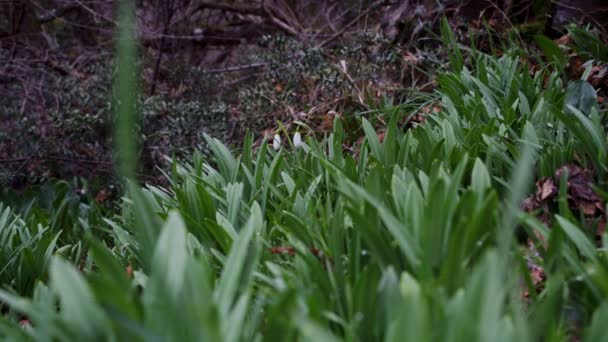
(351, 23)
(56, 13)
(236, 68)
(253, 10)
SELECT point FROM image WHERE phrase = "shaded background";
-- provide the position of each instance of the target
(223, 68)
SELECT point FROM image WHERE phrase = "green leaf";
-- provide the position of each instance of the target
(232, 273)
(312, 331)
(397, 228)
(581, 95)
(234, 195)
(448, 38)
(588, 43)
(110, 282)
(228, 165)
(79, 309)
(146, 227)
(597, 330)
(480, 177)
(552, 51)
(372, 140)
(171, 254)
(579, 239)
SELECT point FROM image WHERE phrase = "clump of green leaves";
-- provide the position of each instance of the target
(413, 239)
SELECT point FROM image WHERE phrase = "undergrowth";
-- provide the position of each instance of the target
(414, 233)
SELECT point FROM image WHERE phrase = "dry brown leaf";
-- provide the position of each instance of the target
(546, 189)
(588, 208)
(411, 58)
(564, 40)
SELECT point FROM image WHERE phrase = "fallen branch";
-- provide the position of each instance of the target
(277, 22)
(236, 68)
(352, 22)
(95, 166)
(50, 15)
(253, 10)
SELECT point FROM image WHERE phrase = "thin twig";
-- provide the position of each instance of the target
(351, 23)
(235, 68)
(254, 10)
(27, 160)
(585, 14)
(107, 166)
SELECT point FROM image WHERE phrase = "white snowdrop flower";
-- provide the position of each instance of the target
(276, 143)
(297, 140)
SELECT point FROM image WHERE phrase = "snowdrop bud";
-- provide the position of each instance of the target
(297, 140)
(276, 143)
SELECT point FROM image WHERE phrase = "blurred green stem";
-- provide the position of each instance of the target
(125, 90)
